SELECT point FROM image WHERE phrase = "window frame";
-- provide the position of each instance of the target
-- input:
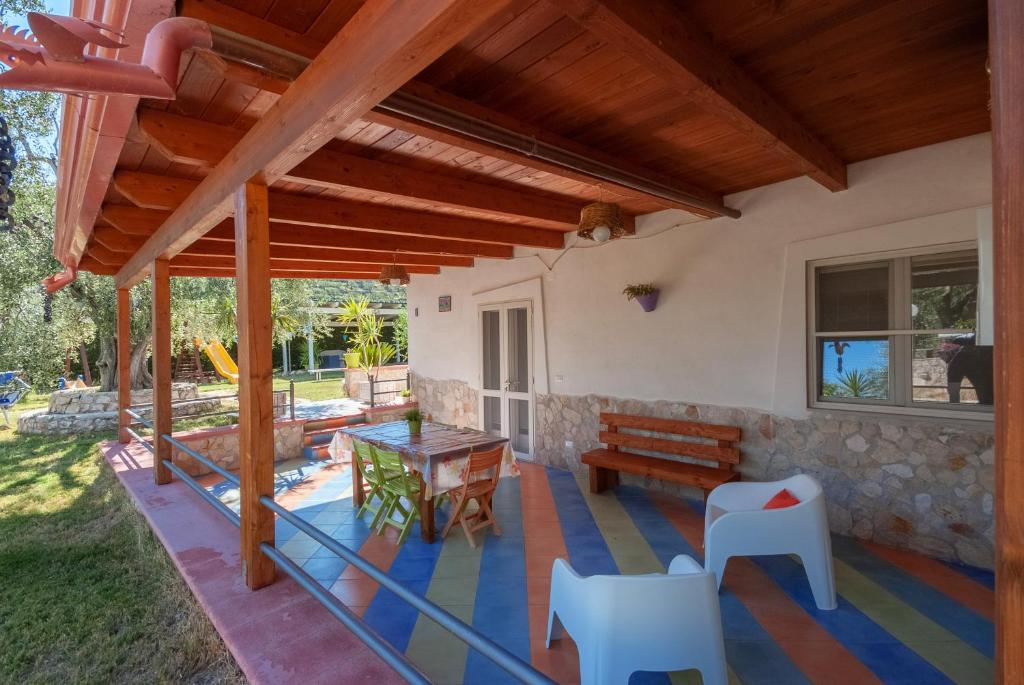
(900, 337)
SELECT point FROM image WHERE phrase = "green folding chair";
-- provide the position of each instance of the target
(402, 495)
(374, 477)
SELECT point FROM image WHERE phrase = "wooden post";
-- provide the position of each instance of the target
(1006, 26)
(161, 276)
(124, 362)
(255, 379)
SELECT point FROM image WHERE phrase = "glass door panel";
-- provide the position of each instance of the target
(506, 405)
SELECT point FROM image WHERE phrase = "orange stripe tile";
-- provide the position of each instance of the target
(544, 543)
(355, 586)
(958, 587)
(812, 649)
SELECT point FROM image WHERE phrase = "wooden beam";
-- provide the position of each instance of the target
(161, 322)
(331, 244)
(153, 191)
(201, 143)
(255, 381)
(659, 35)
(279, 46)
(1006, 25)
(203, 272)
(124, 360)
(216, 262)
(384, 45)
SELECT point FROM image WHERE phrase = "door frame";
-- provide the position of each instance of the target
(503, 306)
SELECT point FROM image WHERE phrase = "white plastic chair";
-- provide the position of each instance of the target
(737, 525)
(624, 624)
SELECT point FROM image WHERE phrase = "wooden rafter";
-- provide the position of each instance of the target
(153, 191)
(659, 35)
(324, 239)
(379, 49)
(201, 143)
(259, 30)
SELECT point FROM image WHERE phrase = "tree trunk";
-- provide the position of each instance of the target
(107, 363)
(83, 356)
(139, 358)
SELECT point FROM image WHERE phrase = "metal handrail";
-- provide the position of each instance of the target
(221, 508)
(490, 649)
(142, 441)
(370, 637)
(213, 466)
(145, 422)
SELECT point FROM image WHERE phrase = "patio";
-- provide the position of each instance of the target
(772, 192)
(902, 617)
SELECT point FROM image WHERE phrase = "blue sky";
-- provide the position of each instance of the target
(861, 354)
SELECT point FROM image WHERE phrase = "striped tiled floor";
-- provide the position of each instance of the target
(902, 618)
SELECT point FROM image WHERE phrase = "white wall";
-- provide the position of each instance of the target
(729, 328)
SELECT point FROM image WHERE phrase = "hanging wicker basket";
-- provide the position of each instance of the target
(601, 214)
(394, 272)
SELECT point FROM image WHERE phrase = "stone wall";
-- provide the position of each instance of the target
(448, 401)
(91, 400)
(74, 412)
(221, 446)
(919, 483)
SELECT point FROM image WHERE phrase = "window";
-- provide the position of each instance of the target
(899, 332)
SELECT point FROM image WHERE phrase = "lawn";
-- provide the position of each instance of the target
(307, 387)
(87, 594)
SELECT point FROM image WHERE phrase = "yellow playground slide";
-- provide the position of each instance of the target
(222, 361)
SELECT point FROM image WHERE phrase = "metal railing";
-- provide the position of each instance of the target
(374, 393)
(402, 665)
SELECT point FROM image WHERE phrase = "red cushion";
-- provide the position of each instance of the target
(782, 499)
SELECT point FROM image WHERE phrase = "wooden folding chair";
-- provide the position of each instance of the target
(477, 484)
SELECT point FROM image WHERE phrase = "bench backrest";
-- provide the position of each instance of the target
(724, 450)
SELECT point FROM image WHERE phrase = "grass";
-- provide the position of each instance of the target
(87, 594)
(307, 387)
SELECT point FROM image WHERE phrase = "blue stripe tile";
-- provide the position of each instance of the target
(500, 609)
(588, 553)
(939, 607)
(979, 575)
(876, 648)
(392, 617)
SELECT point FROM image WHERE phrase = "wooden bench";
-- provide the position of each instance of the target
(606, 463)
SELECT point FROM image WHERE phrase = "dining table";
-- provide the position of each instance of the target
(437, 455)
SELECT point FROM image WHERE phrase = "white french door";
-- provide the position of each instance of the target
(506, 373)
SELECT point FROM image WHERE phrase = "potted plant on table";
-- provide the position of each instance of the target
(644, 293)
(415, 420)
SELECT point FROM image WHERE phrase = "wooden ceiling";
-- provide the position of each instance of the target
(707, 96)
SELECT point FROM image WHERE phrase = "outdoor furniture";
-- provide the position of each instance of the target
(402, 494)
(654, 622)
(437, 456)
(606, 463)
(373, 478)
(736, 524)
(12, 389)
(480, 479)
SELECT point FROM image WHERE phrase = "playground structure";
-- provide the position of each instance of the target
(219, 357)
(12, 389)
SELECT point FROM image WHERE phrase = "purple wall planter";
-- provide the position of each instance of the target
(649, 301)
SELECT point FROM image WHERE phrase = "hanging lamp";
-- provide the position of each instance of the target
(394, 274)
(601, 221)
